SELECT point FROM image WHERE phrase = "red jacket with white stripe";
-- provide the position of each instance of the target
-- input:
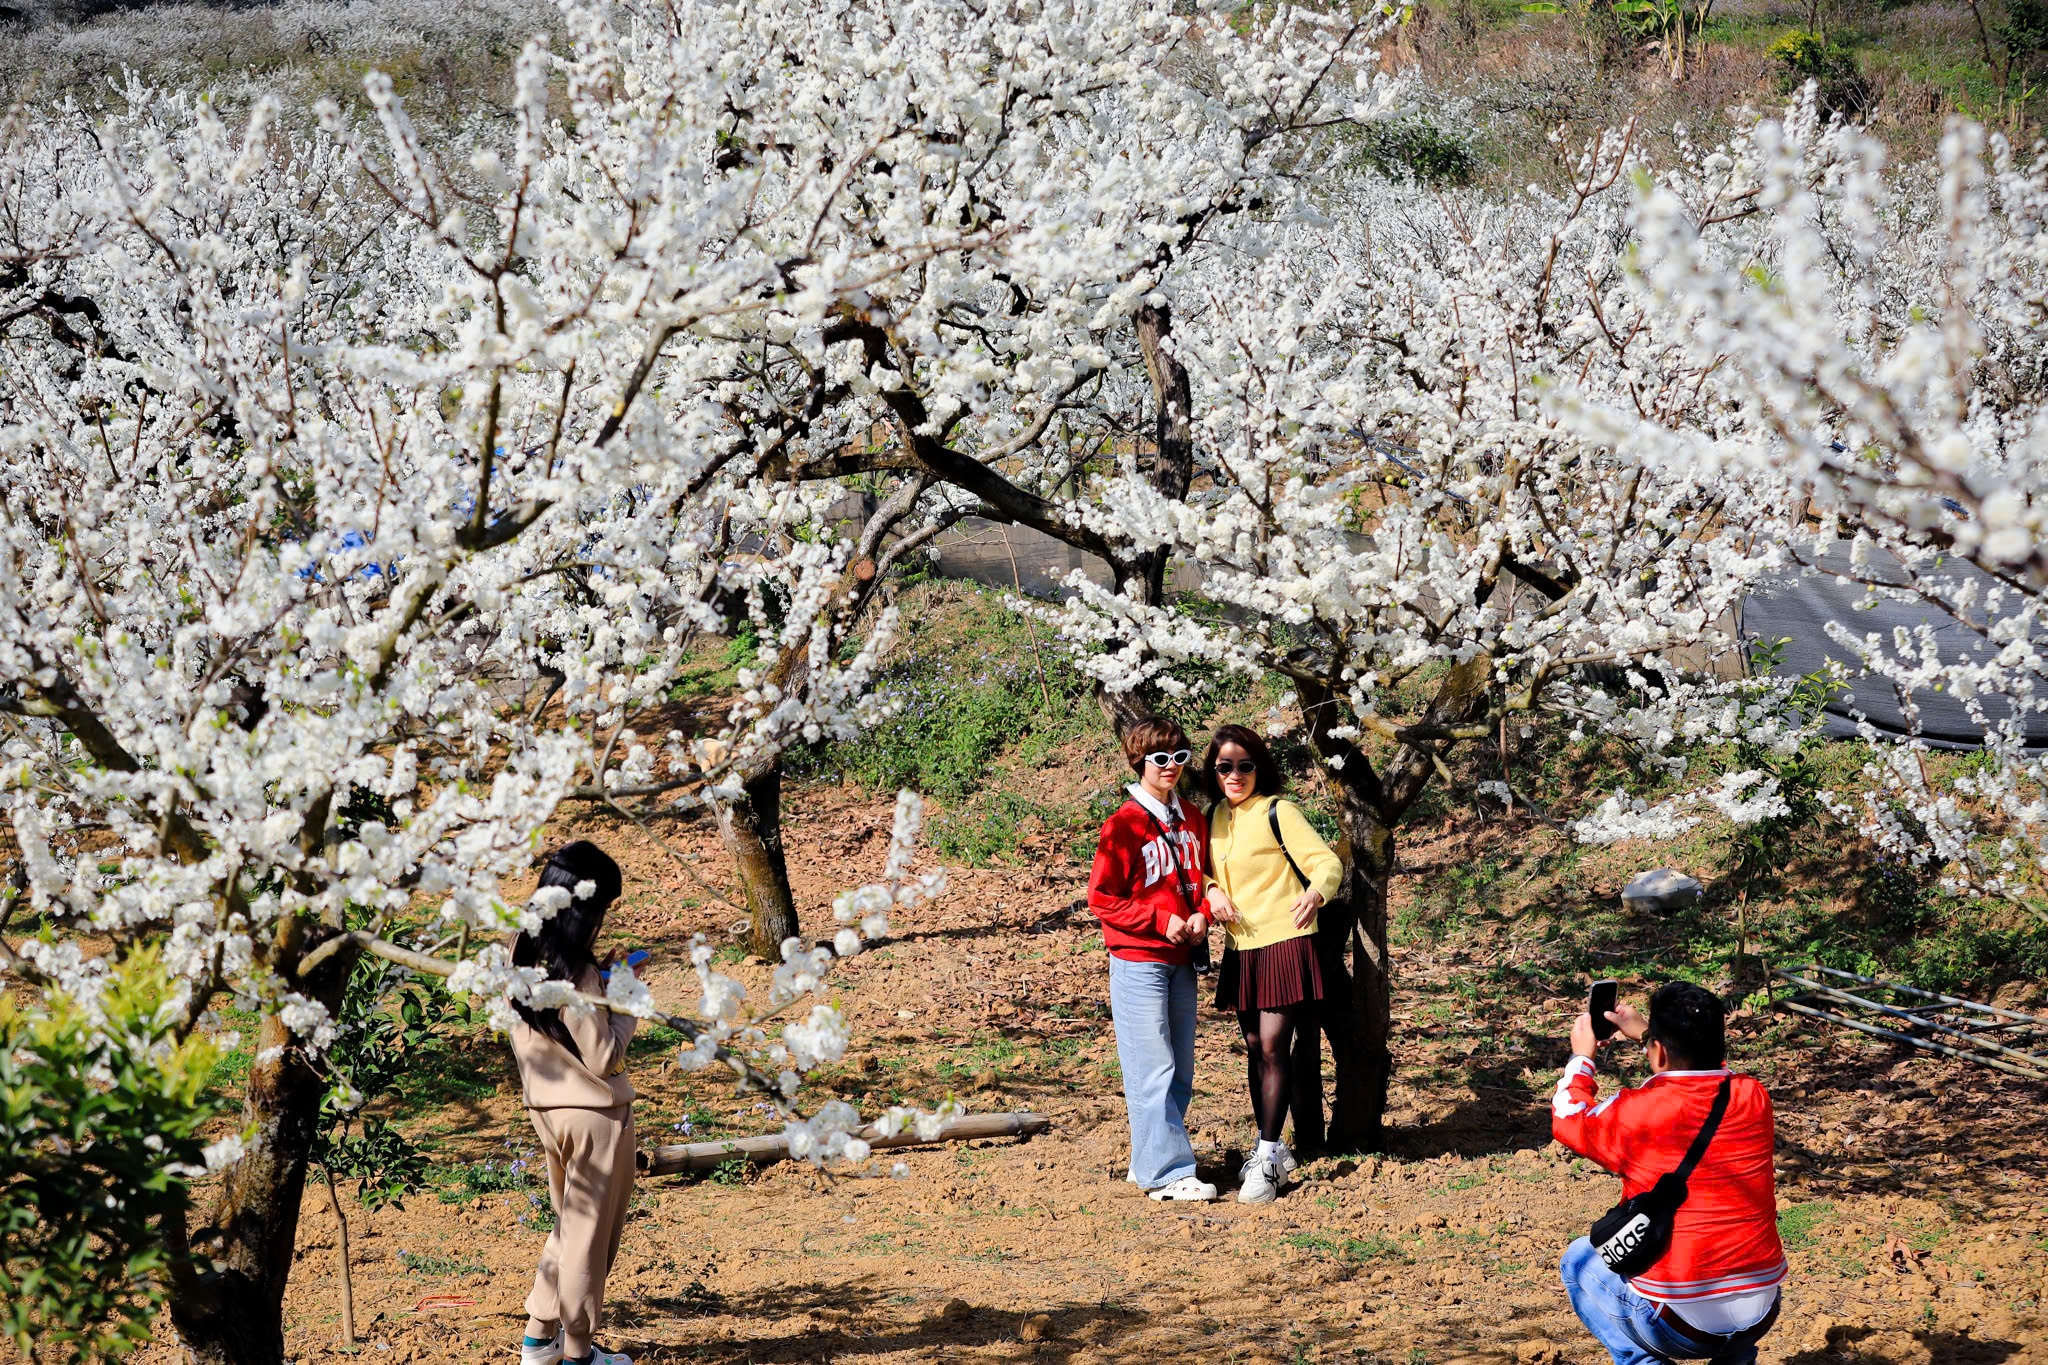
(1132, 887)
(1724, 1240)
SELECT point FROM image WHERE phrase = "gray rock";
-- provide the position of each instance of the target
(1660, 889)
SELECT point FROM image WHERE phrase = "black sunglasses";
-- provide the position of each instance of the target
(1224, 767)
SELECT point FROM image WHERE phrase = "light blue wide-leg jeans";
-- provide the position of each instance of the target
(1153, 1007)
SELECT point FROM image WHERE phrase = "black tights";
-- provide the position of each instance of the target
(1269, 1060)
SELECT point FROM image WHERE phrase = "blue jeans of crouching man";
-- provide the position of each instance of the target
(1627, 1324)
(1152, 1005)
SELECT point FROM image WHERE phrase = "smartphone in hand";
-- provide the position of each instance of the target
(1600, 1001)
(633, 960)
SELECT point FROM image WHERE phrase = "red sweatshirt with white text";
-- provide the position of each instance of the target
(1724, 1240)
(1132, 886)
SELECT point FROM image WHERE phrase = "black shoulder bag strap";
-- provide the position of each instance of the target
(1357, 933)
(1705, 1134)
(1273, 819)
(1634, 1234)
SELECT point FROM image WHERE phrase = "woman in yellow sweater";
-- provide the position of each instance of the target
(1270, 974)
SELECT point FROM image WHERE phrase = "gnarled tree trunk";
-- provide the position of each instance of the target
(227, 1300)
(1357, 1015)
(1360, 1026)
(751, 830)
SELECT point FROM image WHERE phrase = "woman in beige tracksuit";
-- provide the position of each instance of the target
(572, 1071)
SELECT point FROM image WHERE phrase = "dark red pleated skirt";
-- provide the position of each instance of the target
(1270, 978)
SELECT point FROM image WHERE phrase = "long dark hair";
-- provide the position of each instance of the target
(561, 946)
(1269, 781)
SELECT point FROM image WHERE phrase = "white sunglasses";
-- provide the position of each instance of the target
(1177, 759)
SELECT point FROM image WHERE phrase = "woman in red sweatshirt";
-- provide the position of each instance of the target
(1148, 889)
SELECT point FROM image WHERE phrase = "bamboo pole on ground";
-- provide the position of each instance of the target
(2024, 1059)
(772, 1147)
(1926, 1044)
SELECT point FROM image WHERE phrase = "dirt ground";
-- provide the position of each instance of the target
(1913, 1190)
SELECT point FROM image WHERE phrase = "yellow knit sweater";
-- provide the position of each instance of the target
(1253, 871)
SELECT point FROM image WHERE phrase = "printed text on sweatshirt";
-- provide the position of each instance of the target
(1133, 888)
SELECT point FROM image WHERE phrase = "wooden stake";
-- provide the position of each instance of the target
(348, 1293)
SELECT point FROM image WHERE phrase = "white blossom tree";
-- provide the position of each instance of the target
(1879, 339)
(1326, 394)
(1093, 143)
(1392, 518)
(323, 456)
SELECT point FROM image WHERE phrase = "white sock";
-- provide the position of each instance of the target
(1269, 1151)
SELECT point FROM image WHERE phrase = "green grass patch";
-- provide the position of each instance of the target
(433, 1266)
(479, 1178)
(652, 1038)
(1799, 1225)
(461, 1075)
(230, 1075)
(1352, 1250)
(987, 829)
(968, 684)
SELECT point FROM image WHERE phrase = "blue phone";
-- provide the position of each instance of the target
(633, 960)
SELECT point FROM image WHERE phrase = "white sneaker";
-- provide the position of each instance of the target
(550, 1354)
(1261, 1182)
(1189, 1188)
(1288, 1165)
(530, 1355)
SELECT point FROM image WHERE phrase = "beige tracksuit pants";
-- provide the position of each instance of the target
(590, 1179)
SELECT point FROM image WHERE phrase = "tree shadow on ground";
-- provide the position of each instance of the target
(1502, 1114)
(861, 1319)
(1943, 1348)
(1983, 1126)
(958, 932)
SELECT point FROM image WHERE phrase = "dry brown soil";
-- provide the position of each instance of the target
(1918, 1208)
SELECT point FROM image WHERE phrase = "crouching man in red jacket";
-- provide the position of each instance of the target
(1714, 1291)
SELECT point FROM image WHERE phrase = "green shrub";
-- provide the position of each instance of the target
(2024, 30)
(1417, 149)
(388, 1026)
(1839, 86)
(1803, 53)
(99, 1132)
(961, 700)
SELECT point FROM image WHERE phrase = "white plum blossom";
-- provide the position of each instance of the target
(1747, 798)
(819, 1039)
(1622, 817)
(224, 1152)
(625, 993)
